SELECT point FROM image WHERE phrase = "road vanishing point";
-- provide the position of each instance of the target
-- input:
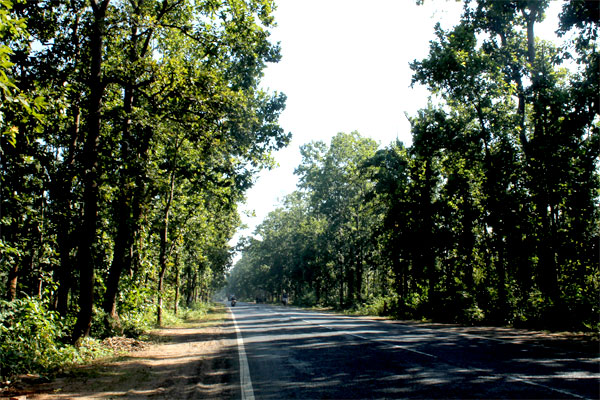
(289, 353)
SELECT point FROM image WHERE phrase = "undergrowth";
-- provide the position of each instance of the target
(185, 315)
(35, 340)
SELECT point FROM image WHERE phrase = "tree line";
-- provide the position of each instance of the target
(491, 215)
(130, 130)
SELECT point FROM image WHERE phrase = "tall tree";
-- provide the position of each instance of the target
(125, 81)
(527, 152)
(87, 231)
(334, 178)
(21, 110)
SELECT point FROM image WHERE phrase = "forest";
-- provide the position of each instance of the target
(490, 216)
(130, 130)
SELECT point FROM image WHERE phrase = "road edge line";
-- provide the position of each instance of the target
(245, 381)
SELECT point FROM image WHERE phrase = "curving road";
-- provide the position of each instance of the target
(287, 353)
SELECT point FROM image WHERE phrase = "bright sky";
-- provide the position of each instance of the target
(345, 68)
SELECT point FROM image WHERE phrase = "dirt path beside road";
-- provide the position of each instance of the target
(193, 361)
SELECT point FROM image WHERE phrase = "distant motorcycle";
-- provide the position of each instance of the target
(233, 301)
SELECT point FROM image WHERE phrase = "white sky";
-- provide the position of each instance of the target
(345, 67)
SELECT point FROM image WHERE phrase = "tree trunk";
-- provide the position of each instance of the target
(360, 275)
(129, 200)
(350, 274)
(13, 273)
(63, 272)
(547, 258)
(341, 278)
(176, 306)
(501, 271)
(90, 178)
(125, 236)
(318, 291)
(530, 18)
(342, 288)
(121, 258)
(13, 276)
(61, 193)
(63, 196)
(164, 235)
(159, 305)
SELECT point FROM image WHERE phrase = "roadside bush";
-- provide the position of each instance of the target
(132, 324)
(136, 314)
(196, 312)
(136, 309)
(380, 306)
(32, 340)
(136, 324)
(306, 299)
(30, 337)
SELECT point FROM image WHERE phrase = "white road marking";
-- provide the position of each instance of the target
(358, 336)
(404, 348)
(532, 383)
(386, 341)
(245, 380)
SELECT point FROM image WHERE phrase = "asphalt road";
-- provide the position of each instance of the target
(287, 353)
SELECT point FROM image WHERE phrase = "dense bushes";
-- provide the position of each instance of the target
(34, 339)
(30, 337)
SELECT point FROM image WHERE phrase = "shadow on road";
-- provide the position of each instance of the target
(297, 354)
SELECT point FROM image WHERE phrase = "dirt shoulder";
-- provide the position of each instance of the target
(195, 360)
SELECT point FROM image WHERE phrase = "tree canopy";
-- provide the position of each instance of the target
(130, 131)
(490, 216)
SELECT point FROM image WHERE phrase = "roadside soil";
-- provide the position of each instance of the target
(195, 360)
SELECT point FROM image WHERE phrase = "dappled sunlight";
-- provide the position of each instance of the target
(194, 362)
(296, 353)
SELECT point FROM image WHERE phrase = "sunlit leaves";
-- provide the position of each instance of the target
(485, 215)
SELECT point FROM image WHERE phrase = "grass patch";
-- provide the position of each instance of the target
(206, 314)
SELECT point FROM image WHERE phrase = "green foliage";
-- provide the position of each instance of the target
(30, 336)
(32, 339)
(133, 324)
(122, 198)
(490, 216)
(381, 306)
(307, 298)
(195, 313)
(306, 248)
(14, 102)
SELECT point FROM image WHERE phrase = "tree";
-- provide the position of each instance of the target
(491, 215)
(528, 153)
(332, 178)
(20, 115)
(149, 100)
